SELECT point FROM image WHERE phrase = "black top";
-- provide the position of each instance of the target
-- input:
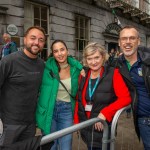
(20, 79)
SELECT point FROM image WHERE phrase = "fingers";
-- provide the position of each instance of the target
(82, 72)
(99, 126)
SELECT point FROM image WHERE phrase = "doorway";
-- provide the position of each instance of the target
(112, 45)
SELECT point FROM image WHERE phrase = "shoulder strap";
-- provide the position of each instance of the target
(54, 76)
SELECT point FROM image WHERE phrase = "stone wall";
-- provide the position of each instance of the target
(62, 20)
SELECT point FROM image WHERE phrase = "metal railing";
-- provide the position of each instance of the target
(58, 134)
(105, 139)
(114, 125)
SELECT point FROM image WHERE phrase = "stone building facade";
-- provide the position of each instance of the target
(77, 22)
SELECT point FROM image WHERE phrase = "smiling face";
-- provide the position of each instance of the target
(95, 61)
(34, 42)
(129, 41)
(60, 52)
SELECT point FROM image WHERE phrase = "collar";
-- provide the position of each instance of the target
(125, 61)
(135, 64)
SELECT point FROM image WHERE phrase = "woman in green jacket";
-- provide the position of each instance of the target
(55, 105)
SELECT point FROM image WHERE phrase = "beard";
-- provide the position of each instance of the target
(130, 53)
(29, 49)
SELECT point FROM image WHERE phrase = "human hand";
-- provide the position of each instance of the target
(82, 72)
(99, 126)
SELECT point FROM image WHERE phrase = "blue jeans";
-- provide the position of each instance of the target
(144, 127)
(62, 118)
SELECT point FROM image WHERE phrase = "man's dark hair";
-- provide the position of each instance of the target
(38, 28)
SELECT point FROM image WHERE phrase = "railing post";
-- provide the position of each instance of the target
(113, 127)
(105, 136)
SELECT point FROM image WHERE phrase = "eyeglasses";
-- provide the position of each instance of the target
(131, 39)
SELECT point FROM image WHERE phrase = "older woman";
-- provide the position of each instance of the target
(101, 93)
(56, 104)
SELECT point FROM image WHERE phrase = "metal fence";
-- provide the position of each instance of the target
(105, 139)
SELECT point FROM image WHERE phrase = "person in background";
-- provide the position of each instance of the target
(134, 65)
(101, 93)
(117, 53)
(112, 55)
(9, 46)
(20, 79)
(56, 104)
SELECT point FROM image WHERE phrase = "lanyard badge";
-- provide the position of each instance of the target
(140, 72)
(88, 106)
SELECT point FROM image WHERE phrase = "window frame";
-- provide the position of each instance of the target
(81, 40)
(44, 54)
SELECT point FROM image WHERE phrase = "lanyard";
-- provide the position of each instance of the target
(91, 92)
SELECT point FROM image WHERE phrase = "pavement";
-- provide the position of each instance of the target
(126, 138)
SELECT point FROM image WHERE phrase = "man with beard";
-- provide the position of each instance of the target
(134, 65)
(20, 79)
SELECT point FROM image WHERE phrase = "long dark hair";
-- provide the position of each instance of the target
(51, 55)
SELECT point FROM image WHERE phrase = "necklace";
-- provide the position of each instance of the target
(64, 66)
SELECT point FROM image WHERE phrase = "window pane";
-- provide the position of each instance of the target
(43, 54)
(36, 22)
(81, 23)
(77, 33)
(81, 45)
(86, 24)
(77, 45)
(81, 34)
(44, 25)
(86, 34)
(36, 12)
(43, 13)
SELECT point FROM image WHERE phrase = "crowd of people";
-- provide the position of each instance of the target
(62, 92)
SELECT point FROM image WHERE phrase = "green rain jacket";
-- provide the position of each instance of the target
(49, 89)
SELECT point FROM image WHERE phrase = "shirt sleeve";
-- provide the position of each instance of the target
(123, 96)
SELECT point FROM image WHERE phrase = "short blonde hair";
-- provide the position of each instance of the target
(91, 48)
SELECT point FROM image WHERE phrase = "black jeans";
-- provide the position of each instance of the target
(16, 133)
